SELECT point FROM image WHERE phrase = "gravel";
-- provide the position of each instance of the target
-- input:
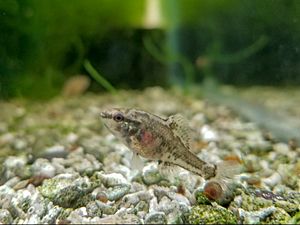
(60, 165)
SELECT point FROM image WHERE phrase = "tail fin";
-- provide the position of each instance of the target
(227, 169)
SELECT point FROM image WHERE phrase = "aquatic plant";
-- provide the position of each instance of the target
(100, 79)
(166, 57)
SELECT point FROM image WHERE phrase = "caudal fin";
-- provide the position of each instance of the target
(227, 169)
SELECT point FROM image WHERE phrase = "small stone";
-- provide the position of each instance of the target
(51, 215)
(153, 205)
(102, 196)
(178, 198)
(72, 138)
(79, 216)
(19, 144)
(66, 190)
(56, 151)
(3, 129)
(142, 206)
(135, 198)
(106, 208)
(43, 168)
(281, 148)
(151, 174)
(156, 218)
(16, 166)
(120, 219)
(117, 192)
(6, 138)
(5, 217)
(208, 134)
(85, 164)
(76, 85)
(112, 179)
(93, 209)
(175, 218)
(166, 205)
(255, 217)
(13, 181)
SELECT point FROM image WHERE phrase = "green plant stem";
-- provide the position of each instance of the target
(100, 79)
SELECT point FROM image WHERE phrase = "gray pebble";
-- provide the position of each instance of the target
(111, 179)
(117, 192)
(93, 209)
(66, 190)
(5, 217)
(51, 215)
(42, 167)
(56, 151)
(156, 218)
(106, 208)
(151, 174)
(166, 205)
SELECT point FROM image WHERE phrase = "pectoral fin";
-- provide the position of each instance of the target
(136, 162)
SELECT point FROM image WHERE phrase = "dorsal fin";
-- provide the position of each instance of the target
(179, 126)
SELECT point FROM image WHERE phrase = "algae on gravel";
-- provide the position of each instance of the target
(207, 214)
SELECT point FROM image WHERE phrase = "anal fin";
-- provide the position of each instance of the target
(168, 171)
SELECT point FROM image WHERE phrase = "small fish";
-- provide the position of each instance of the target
(166, 140)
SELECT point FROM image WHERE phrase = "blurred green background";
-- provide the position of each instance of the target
(140, 43)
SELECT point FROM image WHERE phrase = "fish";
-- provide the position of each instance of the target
(166, 140)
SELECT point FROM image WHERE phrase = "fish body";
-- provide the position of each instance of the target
(156, 138)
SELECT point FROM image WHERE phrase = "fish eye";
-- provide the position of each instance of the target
(118, 117)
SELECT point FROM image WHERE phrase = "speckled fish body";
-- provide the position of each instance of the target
(156, 138)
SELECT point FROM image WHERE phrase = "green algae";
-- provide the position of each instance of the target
(295, 219)
(277, 217)
(201, 198)
(206, 214)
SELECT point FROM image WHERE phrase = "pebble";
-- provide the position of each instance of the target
(93, 209)
(272, 180)
(166, 205)
(84, 174)
(72, 138)
(5, 217)
(135, 198)
(208, 134)
(156, 218)
(66, 190)
(56, 151)
(111, 179)
(44, 168)
(19, 144)
(51, 215)
(256, 216)
(117, 192)
(150, 174)
(106, 208)
(15, 166)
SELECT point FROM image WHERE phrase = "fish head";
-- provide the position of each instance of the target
(122, 122)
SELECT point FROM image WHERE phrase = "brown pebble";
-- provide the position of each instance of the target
(213, 190)
(101, 196)
(64, 221)
(181, 189)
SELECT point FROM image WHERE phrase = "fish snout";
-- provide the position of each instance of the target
(105, 115)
